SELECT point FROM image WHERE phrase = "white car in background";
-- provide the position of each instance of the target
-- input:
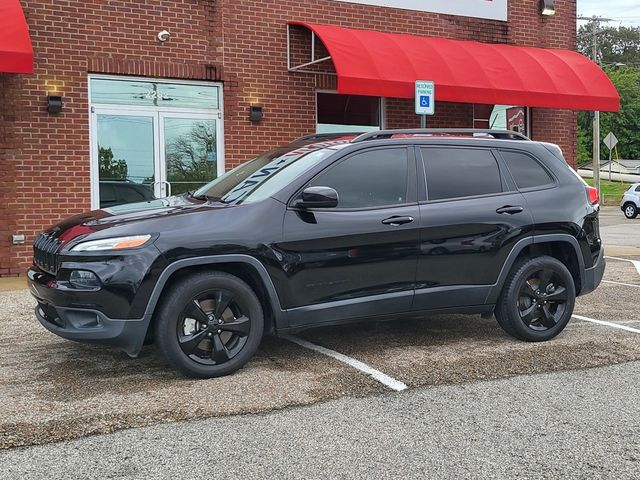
(630, 204)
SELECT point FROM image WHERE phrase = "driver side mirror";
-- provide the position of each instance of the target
(318, 197)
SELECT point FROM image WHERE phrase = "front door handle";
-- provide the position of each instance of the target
(396, 220)
(510, 209)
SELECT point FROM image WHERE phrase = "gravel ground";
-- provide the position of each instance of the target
(74, 390)
(570, 425)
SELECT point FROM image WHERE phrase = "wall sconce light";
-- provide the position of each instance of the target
(255, 113)
(547, 7)
(54, 104)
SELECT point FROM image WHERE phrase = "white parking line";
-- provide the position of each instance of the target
(608, 324)
(636, 263)
(620, 283)
(386, 380)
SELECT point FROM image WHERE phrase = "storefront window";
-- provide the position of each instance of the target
(509, 117)
(348, 113)
(152, 139)
(153, 94)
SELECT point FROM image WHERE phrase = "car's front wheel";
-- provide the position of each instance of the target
(209, 324)
(630, 210)
(537, 299)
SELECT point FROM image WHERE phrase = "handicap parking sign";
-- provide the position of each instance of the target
(425, 97)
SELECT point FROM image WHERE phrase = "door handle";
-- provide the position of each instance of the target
(396, 220)
(510, 209)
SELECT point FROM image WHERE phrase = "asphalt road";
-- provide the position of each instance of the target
(579, 424)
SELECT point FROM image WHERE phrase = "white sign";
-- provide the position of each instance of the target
(491, 9)
(425, 97)
(610, 140)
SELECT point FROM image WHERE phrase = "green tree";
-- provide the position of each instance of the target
(111, 169)
(615, 44)
(624, 124)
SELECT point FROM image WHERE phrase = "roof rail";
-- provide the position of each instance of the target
(318, 136)
(497, 134)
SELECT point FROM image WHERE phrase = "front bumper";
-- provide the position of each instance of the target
(91, 326)
(593, 276)
(79, 314)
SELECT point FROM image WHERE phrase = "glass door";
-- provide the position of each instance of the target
(125, 162)
(190, 150)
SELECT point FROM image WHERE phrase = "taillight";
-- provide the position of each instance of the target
(592, 195)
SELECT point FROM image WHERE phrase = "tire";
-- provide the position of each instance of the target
(530, 311)
(209, 324)
(630, 210)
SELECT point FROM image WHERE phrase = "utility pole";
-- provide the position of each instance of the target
(596, 114)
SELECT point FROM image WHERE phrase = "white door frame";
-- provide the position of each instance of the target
(157, 113)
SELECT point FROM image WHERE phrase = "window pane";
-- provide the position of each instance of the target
(347, 113)
(508, 117)
(526, 171)
(369, 179)
(456, 172)
(154, 94)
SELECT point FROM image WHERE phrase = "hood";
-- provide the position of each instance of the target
(127, 216)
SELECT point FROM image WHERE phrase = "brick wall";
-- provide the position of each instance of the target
(44, 169)
(44, 159)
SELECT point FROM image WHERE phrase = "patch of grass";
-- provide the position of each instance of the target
(611, 192)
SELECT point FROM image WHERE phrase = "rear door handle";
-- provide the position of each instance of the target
(396, 220)
(510, 209)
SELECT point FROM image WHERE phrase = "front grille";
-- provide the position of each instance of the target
(45, 253)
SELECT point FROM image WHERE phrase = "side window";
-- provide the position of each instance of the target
(525, 170)
(373, 178)
(460, 172)
(638, 188)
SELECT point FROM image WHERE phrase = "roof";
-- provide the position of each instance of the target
(16, 52)
(369, 62)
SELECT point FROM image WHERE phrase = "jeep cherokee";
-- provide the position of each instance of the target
(328, 230)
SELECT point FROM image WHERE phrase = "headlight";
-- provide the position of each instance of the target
(117, 243)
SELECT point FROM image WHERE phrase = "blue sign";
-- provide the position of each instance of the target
(425, 97)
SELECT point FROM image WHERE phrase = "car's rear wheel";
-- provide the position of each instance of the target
(537, 299)
(209, 324)
(630, 210)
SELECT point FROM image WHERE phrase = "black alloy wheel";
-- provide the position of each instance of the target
(542, 300)
(213, 329)
(209, 324)
(537, 299)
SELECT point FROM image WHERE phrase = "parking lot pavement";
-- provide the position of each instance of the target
(53, 389)
(563, 425)
(619, 235)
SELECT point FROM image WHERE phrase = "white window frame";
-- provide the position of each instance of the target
(160, 113)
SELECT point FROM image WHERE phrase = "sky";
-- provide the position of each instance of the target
(623, 12)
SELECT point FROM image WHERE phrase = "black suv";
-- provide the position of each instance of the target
(328, 230)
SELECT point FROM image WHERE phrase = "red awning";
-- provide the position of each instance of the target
(16, 53)
(387, 65)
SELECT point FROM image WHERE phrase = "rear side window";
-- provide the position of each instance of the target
(525, 170)
(373, 178)
(460, 172)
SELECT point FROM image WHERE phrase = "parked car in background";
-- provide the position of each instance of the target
(119, 192)
(630, 203)
(329, 230)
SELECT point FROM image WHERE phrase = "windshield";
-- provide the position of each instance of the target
(261, 177)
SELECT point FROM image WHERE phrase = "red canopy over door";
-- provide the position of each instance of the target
(16, 53)
(386, 64)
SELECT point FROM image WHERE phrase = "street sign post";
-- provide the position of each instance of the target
(610, 141)
(425, 99)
